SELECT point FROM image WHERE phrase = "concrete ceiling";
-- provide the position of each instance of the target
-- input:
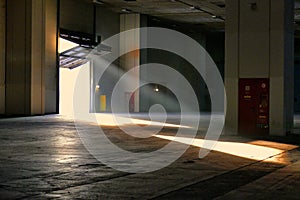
(207, 13)
(210, 13)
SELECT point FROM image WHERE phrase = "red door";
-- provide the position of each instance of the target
(253, 106)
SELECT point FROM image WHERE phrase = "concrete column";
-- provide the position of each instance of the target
(259, 44)
(281, 66)
(129, 41)
(50, 71)
(27, 53)
(231, 72)
(2, 55)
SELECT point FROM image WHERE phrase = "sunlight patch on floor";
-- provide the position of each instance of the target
(244, 150)
(116, 120)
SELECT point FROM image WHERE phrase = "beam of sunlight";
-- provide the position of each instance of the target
(244, 150)
(107, 119)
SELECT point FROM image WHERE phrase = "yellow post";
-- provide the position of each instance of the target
(102, 103)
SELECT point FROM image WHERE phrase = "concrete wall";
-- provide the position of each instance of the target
(254, 40)
(77, 15)
(18, 57)
(296, 76)
(212, 42)
(2, 56)
(107, 23)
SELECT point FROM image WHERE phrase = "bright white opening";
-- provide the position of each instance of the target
(67, 81)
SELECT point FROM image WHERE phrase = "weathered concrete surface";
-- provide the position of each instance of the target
(43, 158)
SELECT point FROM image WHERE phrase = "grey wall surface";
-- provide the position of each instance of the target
(2, 56)
(297, 76)
(76, 15)
(107, 23)
(214, 45)
(254, 40)
(31, 57)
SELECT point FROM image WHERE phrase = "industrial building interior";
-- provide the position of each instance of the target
(149, 99)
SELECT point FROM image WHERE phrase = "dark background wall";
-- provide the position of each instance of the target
(296, 76)
(107, 25)
(77, 15)
(213, 42)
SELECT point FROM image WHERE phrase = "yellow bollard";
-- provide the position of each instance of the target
(102, 103)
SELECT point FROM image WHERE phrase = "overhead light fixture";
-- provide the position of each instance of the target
(156, 89)
(194, 8)
(98, 2)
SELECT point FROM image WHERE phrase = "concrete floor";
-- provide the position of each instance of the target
(44, 158)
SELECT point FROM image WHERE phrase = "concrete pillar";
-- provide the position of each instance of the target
(31, 45)
(129, 41)
(259, 44)
(2, 56)
(50, 71)
(281, 66)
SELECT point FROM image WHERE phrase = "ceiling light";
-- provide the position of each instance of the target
(195, 8)
(126, 10)
(98, 2)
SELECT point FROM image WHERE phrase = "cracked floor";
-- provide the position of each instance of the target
(43, 158)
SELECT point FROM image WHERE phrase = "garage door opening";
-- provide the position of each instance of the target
(72, 62)
(74, 50)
